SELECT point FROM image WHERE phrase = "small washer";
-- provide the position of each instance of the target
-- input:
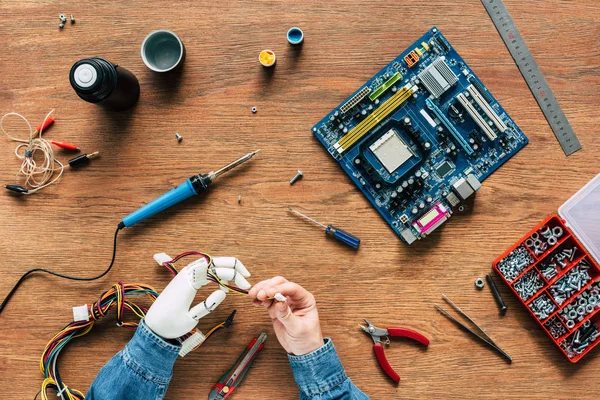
(557, 231)
(479, 283)
(552, 240)
(254, 110)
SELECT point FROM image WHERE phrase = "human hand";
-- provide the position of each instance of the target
(295, 320)
(170, 316)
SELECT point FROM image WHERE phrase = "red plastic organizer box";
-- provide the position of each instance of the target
(554, 271)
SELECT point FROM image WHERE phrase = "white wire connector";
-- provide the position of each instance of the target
(191, 343)
(279, 297)
(81, 313)
(162, 258)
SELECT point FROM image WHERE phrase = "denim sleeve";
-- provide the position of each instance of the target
(142, 370)
(320, 375)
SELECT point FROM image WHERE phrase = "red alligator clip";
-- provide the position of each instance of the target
(377, 334)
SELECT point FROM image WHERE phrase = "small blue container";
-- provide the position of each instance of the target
(295, 36)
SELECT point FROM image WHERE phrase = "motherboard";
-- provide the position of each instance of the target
(420, 136)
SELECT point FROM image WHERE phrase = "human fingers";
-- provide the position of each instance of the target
(296, 293)
(265, 284)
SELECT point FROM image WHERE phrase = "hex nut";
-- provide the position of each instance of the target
(479, 283)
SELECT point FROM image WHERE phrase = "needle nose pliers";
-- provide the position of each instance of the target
(378, 333)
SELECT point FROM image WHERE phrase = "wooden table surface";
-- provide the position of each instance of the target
(68, 227)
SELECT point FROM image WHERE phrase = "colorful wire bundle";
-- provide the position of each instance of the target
(115, 298)
(118, 298)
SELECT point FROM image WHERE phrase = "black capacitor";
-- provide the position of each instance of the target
(98, 81)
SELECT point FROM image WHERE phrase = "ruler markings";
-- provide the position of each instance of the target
(533, 75)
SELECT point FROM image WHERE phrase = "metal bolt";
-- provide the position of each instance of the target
(296, 177)
(179, 137)
(72, 19)
(497, 296)
(239, 199)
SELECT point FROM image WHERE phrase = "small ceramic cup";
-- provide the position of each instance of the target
(162, 51)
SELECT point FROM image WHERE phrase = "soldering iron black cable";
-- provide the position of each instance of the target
(74, 278)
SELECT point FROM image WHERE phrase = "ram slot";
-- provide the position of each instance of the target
(457, 136)
(385, 86)
(487, 109)
(476, 117)
(373, 119)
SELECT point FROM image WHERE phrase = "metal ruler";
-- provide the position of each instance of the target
(533, 76)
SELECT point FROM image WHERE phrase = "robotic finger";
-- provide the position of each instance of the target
(227, 274)
(207, 306)
(231, 262)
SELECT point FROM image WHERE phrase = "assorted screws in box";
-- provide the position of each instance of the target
(557, 262)
(543, 238)
(542, 307)
(529, 284)
(576, 344)
(515, 263)
(571, 283)
(558, 281)
(555, 328)
(583, 305)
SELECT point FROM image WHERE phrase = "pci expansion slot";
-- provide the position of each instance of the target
(457, 136)
(462, 99)
(487, 109)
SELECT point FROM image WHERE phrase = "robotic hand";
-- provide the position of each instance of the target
(171, 316)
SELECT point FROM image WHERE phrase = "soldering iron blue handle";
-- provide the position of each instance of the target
(165, 201)
(343, 236)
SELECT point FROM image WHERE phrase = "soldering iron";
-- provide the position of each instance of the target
(191, 187)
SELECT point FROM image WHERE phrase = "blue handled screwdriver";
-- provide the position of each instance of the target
(330, 230)
(191, 187)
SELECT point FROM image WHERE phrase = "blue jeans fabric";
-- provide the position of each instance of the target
(143, 370)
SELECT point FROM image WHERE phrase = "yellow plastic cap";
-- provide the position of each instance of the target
(267, 58)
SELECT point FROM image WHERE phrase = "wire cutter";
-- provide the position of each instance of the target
(377, 334)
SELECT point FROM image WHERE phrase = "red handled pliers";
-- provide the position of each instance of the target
(377, 334)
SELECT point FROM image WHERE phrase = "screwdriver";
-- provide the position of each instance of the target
(330, 230)
(193, 186)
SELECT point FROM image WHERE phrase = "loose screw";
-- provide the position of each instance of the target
(296, 177)
(501, 305)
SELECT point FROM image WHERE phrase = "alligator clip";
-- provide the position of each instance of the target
(377, 334)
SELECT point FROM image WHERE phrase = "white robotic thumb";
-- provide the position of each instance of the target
(208, 305)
